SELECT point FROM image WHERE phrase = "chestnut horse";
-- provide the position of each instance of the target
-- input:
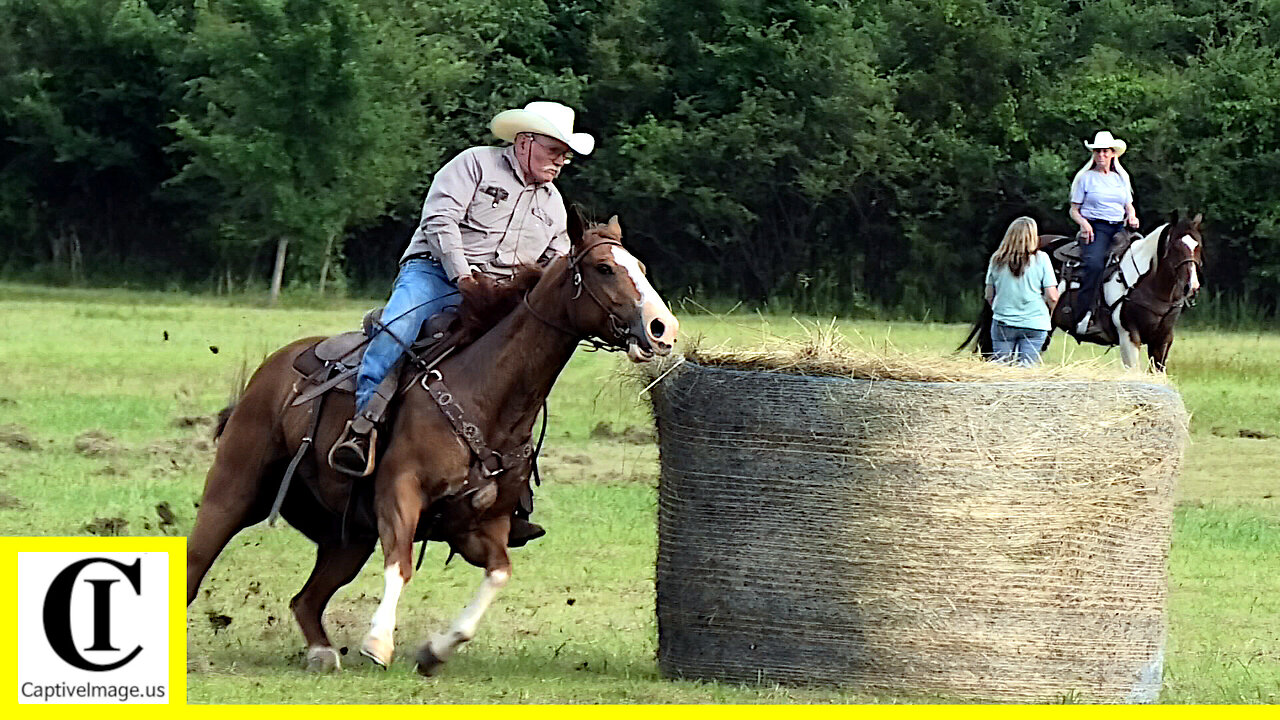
(1159, 276)
(429, 484)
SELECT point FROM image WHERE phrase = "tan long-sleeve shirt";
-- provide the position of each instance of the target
(480, 213)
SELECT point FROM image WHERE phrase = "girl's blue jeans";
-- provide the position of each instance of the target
(1016, 345)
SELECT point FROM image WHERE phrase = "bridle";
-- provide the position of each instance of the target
(616, 324)
(1186, 301)
(1171, 303)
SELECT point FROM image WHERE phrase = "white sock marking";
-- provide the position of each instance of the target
(464, 628)
(384, 618)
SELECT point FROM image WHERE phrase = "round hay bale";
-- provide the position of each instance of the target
(990, 540)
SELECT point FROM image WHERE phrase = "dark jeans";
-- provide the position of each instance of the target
(1094, 258)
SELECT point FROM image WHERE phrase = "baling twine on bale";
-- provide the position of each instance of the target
(969, 532)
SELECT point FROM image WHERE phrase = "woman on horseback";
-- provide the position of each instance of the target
(1101, 204)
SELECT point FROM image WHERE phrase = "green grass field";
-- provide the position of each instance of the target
(102, 418)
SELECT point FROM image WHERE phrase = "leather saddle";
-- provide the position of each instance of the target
(331, 364)
(1068, 258)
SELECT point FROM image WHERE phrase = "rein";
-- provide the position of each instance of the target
(1169, 304)
(490, 461)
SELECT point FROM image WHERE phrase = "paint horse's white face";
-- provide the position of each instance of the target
(1183, 253)
(1193, 281)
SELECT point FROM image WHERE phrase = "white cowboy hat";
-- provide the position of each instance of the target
(1104, 140)
(545, 118)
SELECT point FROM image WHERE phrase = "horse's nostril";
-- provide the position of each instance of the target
(656, 328)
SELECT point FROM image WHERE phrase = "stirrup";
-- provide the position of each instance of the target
(349, 457)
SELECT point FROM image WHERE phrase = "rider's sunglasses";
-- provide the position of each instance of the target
(556, 153)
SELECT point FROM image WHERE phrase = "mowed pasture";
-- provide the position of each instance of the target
(102, 419)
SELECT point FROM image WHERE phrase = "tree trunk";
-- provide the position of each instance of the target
(281, 249)
(77, 258)
(324, 268)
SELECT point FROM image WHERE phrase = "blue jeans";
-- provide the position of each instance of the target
(1094, 259)
(1016, 345)
(421, 290)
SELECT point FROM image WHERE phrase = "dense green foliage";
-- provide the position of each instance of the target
(838, 155)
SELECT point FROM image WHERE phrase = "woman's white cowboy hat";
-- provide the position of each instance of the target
(1104, 140)
(545, 118)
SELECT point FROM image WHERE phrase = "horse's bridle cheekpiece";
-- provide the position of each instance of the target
(616, 324)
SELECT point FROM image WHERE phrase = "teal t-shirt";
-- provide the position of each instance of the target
(1019, 301)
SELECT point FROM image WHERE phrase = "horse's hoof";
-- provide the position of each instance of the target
(428, 663)
(378, 651)
(323, 660)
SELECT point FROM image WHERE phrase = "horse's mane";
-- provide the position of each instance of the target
(488, 300)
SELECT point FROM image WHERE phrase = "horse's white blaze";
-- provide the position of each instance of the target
(651, 305)
(384, 618)
(1189, 242)
(632, 266)
(1195, 279)
(464, 628)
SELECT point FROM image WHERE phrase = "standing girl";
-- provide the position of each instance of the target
(1022, 291)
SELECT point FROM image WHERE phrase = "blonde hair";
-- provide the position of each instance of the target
(1021, 242)
(1115, 166)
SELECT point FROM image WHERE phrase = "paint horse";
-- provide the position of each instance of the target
(430, 484)
(1157, 277)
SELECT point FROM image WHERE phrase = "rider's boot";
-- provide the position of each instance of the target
(354, 453)
(523, 531)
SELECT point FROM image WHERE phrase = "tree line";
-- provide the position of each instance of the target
(834, 155)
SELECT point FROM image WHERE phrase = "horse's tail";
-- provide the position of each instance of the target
(980, 335)
(239, 383)
(223, 416)
(973, 332)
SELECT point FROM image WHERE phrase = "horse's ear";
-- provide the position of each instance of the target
(1173, 217)
(1195, 221)
(615, 229)
(576, 225)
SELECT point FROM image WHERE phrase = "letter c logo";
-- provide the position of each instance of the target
(57, 613)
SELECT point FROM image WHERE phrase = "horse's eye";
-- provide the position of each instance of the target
(604, 269)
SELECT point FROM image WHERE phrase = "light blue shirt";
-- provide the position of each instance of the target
(1019, 301)
(1102, 197)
